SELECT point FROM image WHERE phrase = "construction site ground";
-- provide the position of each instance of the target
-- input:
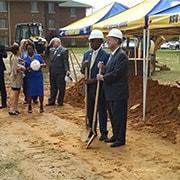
(48, 146)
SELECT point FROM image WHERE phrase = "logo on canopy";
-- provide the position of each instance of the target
(174, 19)
(123, 24)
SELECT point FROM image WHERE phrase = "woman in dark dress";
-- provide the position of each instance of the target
(34, 79)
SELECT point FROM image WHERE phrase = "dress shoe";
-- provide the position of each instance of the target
(13, 113)
(29, 109)
(103, 137)
(117, 144)
(110, 140)
(17, 112)
(60, 103)
(50, 104)
(41, 110)
(3, 106)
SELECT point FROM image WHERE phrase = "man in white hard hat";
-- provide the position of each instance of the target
(116, 88)
(90, 61)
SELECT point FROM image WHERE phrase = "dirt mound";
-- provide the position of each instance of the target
(75, 94)
(162, 115)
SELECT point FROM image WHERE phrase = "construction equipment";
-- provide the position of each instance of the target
(32, 31)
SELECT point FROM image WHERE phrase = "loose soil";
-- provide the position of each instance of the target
(48, 146)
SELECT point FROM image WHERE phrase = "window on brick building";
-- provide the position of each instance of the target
(72, 12)
(3, 6)
(34, 6)
(51, 24)
(51, 8)
(4, 40)
(3, 24)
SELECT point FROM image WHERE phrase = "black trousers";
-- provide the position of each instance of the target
(101, 111)
(3, 90)
(57, 88)
(118, 116)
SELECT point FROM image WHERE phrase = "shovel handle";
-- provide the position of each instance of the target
(95, 113)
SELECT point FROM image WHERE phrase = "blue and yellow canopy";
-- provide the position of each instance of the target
(83, 26)
(136, 17)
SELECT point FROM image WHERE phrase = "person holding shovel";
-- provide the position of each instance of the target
(90, 61)
(115, 81)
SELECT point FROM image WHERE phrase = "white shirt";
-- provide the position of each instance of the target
(112, 54)
(115, 50)
(57, 49)
(93, 57)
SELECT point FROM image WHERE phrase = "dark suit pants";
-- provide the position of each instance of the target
(102, 112)
(102, 109)
(118, 116)
(3, 90)
(57, 87)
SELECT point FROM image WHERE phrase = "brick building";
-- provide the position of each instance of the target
(53, 14)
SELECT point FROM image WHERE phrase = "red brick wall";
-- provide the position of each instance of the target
(20, 12)
(4, 32)
(64, 16)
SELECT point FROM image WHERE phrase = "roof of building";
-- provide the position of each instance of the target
(62, 3)
(41, 0)
(74, 4)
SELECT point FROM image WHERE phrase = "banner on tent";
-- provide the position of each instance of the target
(72, 32)
(117, 25)
(174, 18)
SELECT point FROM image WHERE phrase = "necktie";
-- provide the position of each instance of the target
(110, 57)
(55, 51)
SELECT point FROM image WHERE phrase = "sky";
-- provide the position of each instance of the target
(97, 4)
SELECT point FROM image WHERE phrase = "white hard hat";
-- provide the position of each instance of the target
(96, 34)
(35, 65)
(115, 33)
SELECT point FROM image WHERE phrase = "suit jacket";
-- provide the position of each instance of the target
(101, 56)
(3, 54)
(116, 77)
(59, 63)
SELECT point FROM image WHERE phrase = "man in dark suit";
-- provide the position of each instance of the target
(3, 54)
(116, 88)
(91, 58)
(58, 68)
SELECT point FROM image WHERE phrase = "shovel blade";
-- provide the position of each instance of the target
(91, 140)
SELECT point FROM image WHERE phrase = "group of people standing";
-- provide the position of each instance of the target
(112, 72)
(22, 74)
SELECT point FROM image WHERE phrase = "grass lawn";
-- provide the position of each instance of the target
(171, 58)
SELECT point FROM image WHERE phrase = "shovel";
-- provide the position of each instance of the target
(94, 126)
(85, 133)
